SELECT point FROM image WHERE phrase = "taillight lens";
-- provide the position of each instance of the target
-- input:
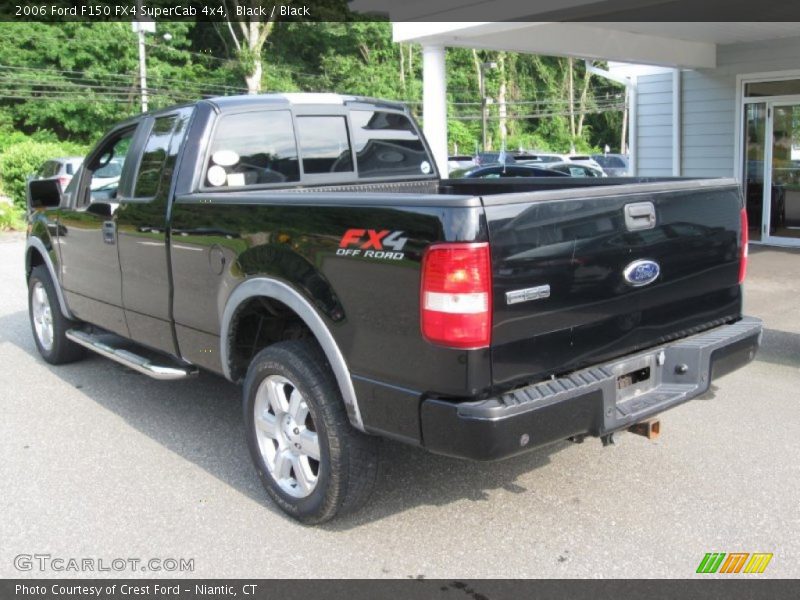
(456, 295)
(743, 249)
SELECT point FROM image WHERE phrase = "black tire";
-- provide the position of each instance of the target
(61, 350)
(348, 458)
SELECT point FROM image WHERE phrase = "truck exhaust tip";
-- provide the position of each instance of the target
(651, 429)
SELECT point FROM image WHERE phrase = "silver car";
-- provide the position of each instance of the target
(64, 169)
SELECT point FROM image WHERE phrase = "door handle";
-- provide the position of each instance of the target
(109, 232)
(641, 215)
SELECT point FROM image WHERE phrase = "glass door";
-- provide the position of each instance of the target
(755, 135)
(780, 223)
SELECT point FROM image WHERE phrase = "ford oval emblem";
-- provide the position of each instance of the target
(641, 272)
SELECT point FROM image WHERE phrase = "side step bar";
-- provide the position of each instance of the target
(142, 364)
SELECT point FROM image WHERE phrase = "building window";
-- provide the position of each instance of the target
(758, 89)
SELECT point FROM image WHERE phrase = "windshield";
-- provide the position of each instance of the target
(611, 162)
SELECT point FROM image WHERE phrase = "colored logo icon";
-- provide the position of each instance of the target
(734, 562)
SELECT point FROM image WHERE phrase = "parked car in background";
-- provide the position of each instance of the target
(540, 157)
(553, 157)
(584, 159)
(496, 171)
(62, 169)
(460, 162)
(523, 157)
(109, 174)
(490, 158)
(575, 169)
(615, 165)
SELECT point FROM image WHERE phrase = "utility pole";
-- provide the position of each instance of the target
(141, 28)
(484, 99)
(142, 67)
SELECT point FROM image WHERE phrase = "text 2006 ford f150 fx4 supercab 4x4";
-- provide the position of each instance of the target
(304, 246)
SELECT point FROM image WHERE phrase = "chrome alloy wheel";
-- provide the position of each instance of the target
(42, 316)
(287, 437)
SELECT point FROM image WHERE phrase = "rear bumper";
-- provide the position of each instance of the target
(588, 402)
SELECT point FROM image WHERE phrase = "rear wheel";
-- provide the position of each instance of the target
(311, 461)
(48, 325)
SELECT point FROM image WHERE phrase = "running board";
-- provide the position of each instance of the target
(102, 344)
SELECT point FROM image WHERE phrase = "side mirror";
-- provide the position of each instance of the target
(44, 193)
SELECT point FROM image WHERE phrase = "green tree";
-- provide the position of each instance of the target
(73, 80)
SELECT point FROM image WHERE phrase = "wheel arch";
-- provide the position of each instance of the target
(280, 291)
(36, 253)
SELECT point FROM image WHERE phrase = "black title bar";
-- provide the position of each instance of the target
(429, 11)
(395, 589)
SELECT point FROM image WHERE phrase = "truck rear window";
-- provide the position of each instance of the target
(324, 144)
(387, 145)
(253, 148)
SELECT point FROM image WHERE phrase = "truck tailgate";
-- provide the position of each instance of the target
(562, 299)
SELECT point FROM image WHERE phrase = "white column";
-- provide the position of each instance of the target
(676, 122)
(434, 104)
(633, 126)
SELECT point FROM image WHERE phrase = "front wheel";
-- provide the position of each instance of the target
(312, 462)
(48, 325)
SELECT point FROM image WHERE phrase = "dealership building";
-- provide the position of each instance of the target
(706, 99)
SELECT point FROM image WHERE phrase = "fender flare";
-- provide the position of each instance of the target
(277, 290)
(35, 243)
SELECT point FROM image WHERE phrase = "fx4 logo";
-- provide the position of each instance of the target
(371, 243)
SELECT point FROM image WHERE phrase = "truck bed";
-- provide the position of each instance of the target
(566, 233)
(570, 234)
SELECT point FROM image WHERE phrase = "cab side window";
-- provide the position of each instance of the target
(105, 169)
(154, 157)
(252, 148)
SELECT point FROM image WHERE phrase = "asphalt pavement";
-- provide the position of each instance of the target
(98, 462)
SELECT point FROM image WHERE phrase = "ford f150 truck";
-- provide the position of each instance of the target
(305, 246)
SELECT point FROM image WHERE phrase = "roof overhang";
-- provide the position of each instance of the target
(582, 40)
(690, 45)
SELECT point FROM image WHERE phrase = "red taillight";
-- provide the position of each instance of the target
(743, 249)
(64, 181)
(456, 295)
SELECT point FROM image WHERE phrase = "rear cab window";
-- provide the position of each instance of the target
(279, 147)
(324, 144)
(387, 145)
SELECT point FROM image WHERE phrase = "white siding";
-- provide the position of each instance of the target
(708, 106)
(708, 103)
(654, 125)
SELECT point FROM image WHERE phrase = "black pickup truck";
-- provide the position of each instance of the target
(305, 246)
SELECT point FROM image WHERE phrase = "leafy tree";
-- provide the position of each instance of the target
(22, 160)
(73, 80)
(248, 37)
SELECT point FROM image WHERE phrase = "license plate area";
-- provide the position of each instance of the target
(636, 376)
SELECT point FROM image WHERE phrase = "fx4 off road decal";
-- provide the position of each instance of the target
(371, 243)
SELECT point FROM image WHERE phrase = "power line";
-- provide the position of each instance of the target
(127, 77)
(541, 115)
